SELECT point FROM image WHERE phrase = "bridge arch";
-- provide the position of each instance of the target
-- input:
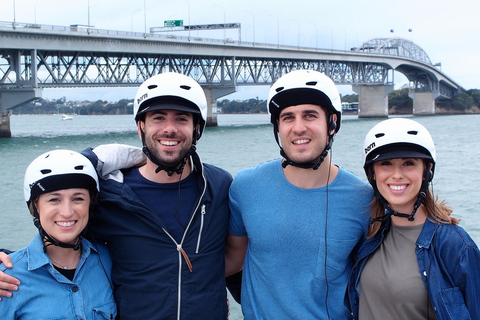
(397, 47)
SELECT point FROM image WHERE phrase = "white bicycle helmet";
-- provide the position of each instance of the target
(304, 87)
(56, 170)
(398, 138)
(171, 91)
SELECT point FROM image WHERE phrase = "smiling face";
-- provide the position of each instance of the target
(168, 134)
(302, 130)
(64, 213)
(399, 182)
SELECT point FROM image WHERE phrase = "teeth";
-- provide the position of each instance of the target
(398, 187)
(169, 143)
(66, 224)
(301, 141)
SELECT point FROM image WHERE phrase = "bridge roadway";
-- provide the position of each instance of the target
(33, 57)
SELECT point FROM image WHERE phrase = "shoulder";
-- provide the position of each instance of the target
(349, 182)
(19, 261)
(455, 235)
(211, 170)
(262, 170)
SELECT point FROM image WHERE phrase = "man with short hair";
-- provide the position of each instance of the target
(162, 212)
(296, 220)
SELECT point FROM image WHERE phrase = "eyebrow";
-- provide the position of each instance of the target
(288, 113)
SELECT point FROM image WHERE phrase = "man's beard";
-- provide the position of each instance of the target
(169, 160)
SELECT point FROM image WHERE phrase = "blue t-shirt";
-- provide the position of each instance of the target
(174, 203)
(284, 274)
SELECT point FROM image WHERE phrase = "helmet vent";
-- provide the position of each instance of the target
(185, 87)
(379, 135)
(45, 171)
(412, 132)
(78, 168)
(152, 86)
(311, 83)
(279, 89)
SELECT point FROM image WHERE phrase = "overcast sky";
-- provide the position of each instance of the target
(448, 31)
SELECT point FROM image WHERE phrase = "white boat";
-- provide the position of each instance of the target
(65, 117)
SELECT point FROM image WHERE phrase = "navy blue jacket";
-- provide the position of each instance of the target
(449, 262)
(150, 275)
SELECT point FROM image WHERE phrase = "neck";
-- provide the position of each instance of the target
(420, 217)
(309, 178)
(148, 172)
(64, 257)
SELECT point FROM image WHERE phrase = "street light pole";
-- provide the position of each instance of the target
(131, 20)
(224, 21)
(298, 31)
(253, 18)
(278, 31)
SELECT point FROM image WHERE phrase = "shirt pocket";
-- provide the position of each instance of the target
(454, 303)
(105, 311)
(337, 252)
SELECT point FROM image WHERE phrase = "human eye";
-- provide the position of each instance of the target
(409, 162)
(385, 163)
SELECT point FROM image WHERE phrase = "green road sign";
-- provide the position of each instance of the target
(173, 23)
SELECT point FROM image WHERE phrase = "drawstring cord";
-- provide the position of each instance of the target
(185, 256)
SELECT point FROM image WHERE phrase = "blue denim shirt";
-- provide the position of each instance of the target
(449, 262)
(45, 293)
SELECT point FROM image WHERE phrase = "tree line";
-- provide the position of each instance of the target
(398, 101)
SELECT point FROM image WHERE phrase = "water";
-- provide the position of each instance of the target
(238, 142)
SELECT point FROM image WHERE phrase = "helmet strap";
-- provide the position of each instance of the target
(421, 197)
(49, 241)
(309, 165)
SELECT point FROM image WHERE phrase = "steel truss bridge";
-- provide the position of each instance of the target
(33, 57)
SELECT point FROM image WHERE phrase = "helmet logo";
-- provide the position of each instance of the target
(141, 98)
(40, 186)
(370, 147)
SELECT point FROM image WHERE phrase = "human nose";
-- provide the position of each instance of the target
(170, 126)
(66, 209)
(397, 172)
(299, 126)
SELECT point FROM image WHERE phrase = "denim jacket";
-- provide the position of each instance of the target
(47, 294)
(449, 262)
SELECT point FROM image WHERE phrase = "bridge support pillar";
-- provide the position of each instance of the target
(212, 94)
(5, 131)
(12, 98)
(372, 100)
(423, 103)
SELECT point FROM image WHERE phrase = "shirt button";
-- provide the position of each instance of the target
(425, 273)
(75, 289)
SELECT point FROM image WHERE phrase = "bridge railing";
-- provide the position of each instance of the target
(164, 36)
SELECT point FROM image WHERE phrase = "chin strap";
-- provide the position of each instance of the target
(421, 196)
(309, 165)
(49, 241)
(176, 168)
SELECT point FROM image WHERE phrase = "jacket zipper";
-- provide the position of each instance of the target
(202, 219)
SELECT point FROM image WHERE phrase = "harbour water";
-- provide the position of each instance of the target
(238, 142)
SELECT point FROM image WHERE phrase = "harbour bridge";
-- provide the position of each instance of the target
(34, 57)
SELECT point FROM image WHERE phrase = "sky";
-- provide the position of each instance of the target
(448, 31)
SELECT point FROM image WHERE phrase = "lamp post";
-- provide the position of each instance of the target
(13, 14)
(188, 3)
(298, 31)
(253, 18)
(131, 20)
(278, 31)
(224, 21)
(145, 15)
(316, 35)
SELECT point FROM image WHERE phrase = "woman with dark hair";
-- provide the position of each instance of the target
(416, 262)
